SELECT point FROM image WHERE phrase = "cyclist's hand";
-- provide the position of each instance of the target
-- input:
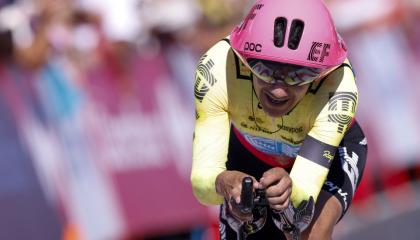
(278, 187)
(229, 185)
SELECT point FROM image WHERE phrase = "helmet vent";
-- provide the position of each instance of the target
(280, 25)
(296, 31)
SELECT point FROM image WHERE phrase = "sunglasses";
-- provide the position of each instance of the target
(276, 72)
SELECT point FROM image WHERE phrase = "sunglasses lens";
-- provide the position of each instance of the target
(272, 72)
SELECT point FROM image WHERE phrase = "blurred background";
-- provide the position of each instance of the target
(97, 116)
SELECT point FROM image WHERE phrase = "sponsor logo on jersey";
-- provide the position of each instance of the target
(319, 51)
(327, 154)
(290, 129)
(335, 189)
(349, 164)
(252, 47)
(279, 127)
(342, 106)
(203, 71)
(272, 147)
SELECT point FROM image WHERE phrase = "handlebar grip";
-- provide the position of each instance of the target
(247, 195)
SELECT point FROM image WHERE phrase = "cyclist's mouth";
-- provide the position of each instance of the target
(276, 101)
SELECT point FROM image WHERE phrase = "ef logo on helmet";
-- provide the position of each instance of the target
(318, 55)
(253, 47)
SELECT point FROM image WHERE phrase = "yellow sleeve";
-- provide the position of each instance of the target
(311, 167)
(212, 126)
(335, 117)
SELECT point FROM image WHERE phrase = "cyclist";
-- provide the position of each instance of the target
(276, 101)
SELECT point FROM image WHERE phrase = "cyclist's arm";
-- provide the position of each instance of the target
(315, 157)
(211, 134)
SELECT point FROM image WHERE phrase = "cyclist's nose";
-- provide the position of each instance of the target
(281, 73)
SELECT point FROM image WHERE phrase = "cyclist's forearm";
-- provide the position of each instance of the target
(203, 185)
(310, 169)
(308, 179)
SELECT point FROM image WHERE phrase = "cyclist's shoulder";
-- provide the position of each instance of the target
(218, 53)
(218, 62)
(341, 79)
(340, 84)
(343, 73)
(211, 75)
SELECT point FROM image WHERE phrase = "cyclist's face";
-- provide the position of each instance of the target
(277, 99)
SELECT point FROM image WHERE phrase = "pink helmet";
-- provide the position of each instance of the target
(299, 32)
